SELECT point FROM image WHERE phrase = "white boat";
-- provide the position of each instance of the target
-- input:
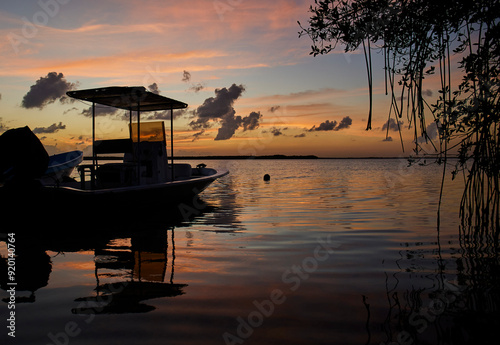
(144, 174)
(61, 167)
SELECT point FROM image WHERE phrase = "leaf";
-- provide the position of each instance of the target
(430, 70)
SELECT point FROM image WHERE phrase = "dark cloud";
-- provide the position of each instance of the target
(276, 131)
(229, 126)
(69, 110)
(392, 125)
(344, 124)
(328, 125)
(220, 109)
(163, 115)
(325, 126)
(102, 110)
(159, 115)
(196, 136)
(154, 88)
(251, 121)
(428, 93)
(3, 127)
(197, 87)
(200, 124)
(47, 90)
(222, 104)
(231, 123)
(186, 76)
(51, 129)
(274, 108)
(432, 130)
(432, 133)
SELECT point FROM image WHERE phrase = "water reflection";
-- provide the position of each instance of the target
(223, 210)
(138, 272)
(208, 269)
(33, 267)
(134, 257)
(440, 298)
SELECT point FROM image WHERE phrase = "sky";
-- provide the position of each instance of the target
(251, 85)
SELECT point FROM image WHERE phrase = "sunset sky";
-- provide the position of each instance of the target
(243, 55)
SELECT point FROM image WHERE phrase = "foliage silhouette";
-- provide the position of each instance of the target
(456, 40)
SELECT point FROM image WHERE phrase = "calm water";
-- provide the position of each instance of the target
(327, 252)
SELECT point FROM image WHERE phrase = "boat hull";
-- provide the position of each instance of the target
(37, 206)
(147, 196)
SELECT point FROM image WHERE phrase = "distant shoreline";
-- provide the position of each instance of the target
(246, 157)
(289, 157)
(262, 157)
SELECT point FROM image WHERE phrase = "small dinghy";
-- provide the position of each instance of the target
(61, 166)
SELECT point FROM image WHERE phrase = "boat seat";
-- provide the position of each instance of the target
(113, 146)
(181, 171)
(115, 175)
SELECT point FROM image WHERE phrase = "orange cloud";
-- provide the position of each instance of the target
(128, 44)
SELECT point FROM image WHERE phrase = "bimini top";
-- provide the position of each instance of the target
(128, 98)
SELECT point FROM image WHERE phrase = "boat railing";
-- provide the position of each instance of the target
(113, 146)
(103, 147)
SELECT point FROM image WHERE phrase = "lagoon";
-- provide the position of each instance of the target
(343, 251)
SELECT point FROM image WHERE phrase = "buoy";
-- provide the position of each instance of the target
(267, 177)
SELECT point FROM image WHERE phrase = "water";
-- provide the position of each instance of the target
(326, 252)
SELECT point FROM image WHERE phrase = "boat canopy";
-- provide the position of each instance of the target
(134, 98)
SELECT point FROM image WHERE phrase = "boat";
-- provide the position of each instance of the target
(61, 166)
(144, 174)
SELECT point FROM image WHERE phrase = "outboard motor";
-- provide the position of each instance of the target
(23, 158)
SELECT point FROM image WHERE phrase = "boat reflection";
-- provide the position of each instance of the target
(137, 272)
(134, 258)
(33, 267)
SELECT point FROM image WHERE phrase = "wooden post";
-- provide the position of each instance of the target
(172, 138)
(138, 141)
(94, 157)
